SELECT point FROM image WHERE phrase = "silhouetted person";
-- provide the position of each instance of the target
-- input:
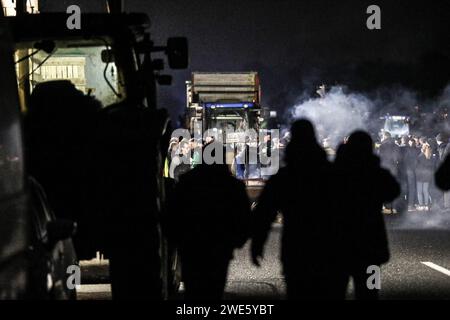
(425, 167)
(98, 168)
(389, 153)
(127, 194)
(442, 175)
(59, 127)
(363, 187)
(442, 142)
(209, 215)
(301, 191)
(409, 161)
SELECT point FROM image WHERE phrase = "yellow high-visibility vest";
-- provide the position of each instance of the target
(166, 168)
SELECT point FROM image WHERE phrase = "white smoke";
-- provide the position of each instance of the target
(338, 112)
(444, 98)
(434, 220)
(335, 114)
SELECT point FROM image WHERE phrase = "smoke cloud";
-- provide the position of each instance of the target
(335, 114)
(338, 112)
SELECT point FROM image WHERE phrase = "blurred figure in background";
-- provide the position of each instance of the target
(239, 162)
(270, 157)
(422, 141)
(173, 146)
(442, 142)
(389, 153)
(404, 141)
(409, 164)
(443, 175)
(402, 201)
(416, 140)
(196, 152)
(181, 162)
(425, 167)
(249, 157)
(443, 149)
(326, 143)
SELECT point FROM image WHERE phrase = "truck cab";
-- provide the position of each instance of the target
(396, 125)
(227, 106)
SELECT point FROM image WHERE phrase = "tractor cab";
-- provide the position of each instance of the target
(94, 136)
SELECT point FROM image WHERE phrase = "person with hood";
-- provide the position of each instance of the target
(363, 186)
(301, 192)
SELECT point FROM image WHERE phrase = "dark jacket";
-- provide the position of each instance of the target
(389, 153)
(443, 175)
(301, 192)
(424, 168)
(209, 212)
(409, 157)
(362, 188)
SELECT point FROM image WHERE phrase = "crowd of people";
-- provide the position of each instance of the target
(320, 250)
(182, 155)
(249, 160)
(333, 226)
(413, 161)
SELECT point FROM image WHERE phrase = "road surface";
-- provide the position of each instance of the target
(419, 266)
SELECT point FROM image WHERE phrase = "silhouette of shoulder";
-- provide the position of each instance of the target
(442, 175)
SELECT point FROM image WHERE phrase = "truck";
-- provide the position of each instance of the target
(396, 125)
(227, 106)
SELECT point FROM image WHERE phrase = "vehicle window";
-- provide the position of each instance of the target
(83, 66)
(238, 129)
(231, 120)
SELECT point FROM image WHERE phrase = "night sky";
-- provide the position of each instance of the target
(297, 45)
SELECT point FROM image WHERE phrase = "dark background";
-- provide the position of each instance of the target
(296, 45)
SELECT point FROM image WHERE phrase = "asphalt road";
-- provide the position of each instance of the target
(415, 238)
(419, 267)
